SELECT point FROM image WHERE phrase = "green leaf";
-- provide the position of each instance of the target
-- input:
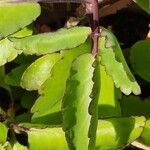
(109, 105)
(116, 133)
(13, 17)
(27, 31)
(6, 146)
(47, 139)
(24, 59)
(140, 59)
(18, 146)
(38, 72)
(53, 89)
(2, 113)
(28, 99)
(2, 77)
(144, 4)
(145, 134)
(135, 106)
(113, 130)
(7, 51)
(76, 117)
(24, 117)
(14, 77)
(51, 42)
(3, 133)
(93, 108)
(115, 64)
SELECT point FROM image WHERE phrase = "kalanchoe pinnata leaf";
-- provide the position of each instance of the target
(51, 42)
(49, 138)
(144, 4)
(25, 117)
(39, 71)
(18, 146)
(108, 104)
(140, 59)
(27, 31)
(116, 133)
(141, 106)
(144, 138)
(28, 99)
(3, 133)
(52, 91)
(111, 134)
(93, 108)
(16, 16)
(6, 146)
(2, 81)
(115, 64)
(7, 50)
(75, 105)
(13, 78)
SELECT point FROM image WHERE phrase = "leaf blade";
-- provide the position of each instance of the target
(38, 72)
(3, 133)
(144, 4)
(115, 64)
(53, 89)
(140, 59)
(53, 41)
(76, 118)
(108, 101)
(13, 17)
(50, 138)
(115, 130)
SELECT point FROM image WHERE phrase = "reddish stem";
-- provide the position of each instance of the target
(95, 27)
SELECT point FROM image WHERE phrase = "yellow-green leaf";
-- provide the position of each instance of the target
(15, 16)
(76, 102)
(51, 42)
(52, 91)
(115, 64)
(116, 133)
(39, 71)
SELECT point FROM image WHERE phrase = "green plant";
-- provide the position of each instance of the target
(68, 96)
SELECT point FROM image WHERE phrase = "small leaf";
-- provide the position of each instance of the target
(24, 59)
(75, 107)
(135, 106)
(24, 117)
(145, 134)
(2, 77)
(38, 72)
(115, 64)
(28, 99)
(140, 59)
(144, 4)
(18, 146)
(93, 108)
(6, 146)
(27, 31)
(13, 17)
(7, 51)
(14, 77)
(53, 89)
(109, 105)
(51, 42)
(116, 133)
(47, 139)
(3, 133)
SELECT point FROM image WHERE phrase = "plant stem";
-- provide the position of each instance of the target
(18, 127)
(95, 27)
